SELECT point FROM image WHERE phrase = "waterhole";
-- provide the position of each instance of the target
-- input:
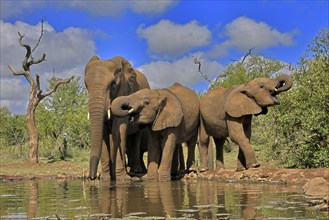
(78, 199)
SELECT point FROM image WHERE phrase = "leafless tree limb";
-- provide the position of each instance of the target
(56, 86)
(247, 54)
(41, 34)
(196, 61)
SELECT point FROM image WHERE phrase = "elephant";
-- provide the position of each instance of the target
(228, 113)
(106, 80)
(172, 114)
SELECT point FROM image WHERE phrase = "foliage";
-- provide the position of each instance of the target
(301, 121)
(253, 67)
(64, 119)
(13, 129)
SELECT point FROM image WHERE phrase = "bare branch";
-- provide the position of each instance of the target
(41, 34)
(196, 61)
(18, 73)
(37, 79)
(32, 61)
(246, 55)
(26, 67)
(55, 87)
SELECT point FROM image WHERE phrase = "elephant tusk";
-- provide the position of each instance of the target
(108, 114)
(131, 111)
(275, 89)
(88, 116)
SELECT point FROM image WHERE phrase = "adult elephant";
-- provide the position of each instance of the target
(106, 80)
(228, 113)
(172, 115)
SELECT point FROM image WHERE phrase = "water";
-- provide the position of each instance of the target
(77, 199)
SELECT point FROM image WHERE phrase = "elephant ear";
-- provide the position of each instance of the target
(238, 103)
(170, 113)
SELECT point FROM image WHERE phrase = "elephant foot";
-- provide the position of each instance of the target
(253, 165)
(164, 176)
(152, 176)
(192, 169)
(203, 169)
(122, 177)
(105, 175)
(240, 169)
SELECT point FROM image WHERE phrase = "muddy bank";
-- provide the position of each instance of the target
(313, 182)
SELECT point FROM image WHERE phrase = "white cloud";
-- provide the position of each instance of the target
(19, 8)
(244, 33)
(152, 7)
(95, 8)
(66, 52)
(172, 39)
(161, 74)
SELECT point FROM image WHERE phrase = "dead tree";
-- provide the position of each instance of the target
(36, 94)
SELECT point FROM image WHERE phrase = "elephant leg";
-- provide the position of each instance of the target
(219, 142)
(181, 162)
(135, 152)
(154, 154)
(176, 160)
(119, 139)
(203, 148)
(105, 157)
(167, 156)
(237, 134)
(190, 163)
(241, 164)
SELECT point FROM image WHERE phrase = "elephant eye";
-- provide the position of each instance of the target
(262, 85)
(113, 85)
(146, 102)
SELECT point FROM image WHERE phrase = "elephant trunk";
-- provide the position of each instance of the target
(284, 83)
(121, 107)
(97, 114)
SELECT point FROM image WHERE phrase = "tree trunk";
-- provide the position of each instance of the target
(32, 128)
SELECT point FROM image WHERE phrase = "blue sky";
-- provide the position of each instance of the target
(160, 38)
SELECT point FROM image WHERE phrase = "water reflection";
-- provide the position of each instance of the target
(76, 199)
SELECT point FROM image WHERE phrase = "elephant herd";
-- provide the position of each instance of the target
(127, 117)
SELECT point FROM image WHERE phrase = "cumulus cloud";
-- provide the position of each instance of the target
(95, 8)
(152, 7)
(67, 53)
(168, 38)
(244, 33)
(162, 74)
(11, 8)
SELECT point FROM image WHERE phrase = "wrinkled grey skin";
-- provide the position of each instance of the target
(173, 117)
(106, 80)
(228, 113)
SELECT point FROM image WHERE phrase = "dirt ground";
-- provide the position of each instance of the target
(63, 170)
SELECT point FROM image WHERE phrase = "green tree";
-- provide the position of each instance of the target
(301, 121)
(253, 67)
(13, 131)
(64, 118)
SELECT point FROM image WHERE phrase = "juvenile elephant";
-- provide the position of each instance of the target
(172, 115)
(106, 80)
(228, 113)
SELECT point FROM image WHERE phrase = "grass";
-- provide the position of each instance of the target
(13, 161)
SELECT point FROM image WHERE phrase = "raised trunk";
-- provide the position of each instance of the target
(120, 107)
(284, 83)
(97, 114)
